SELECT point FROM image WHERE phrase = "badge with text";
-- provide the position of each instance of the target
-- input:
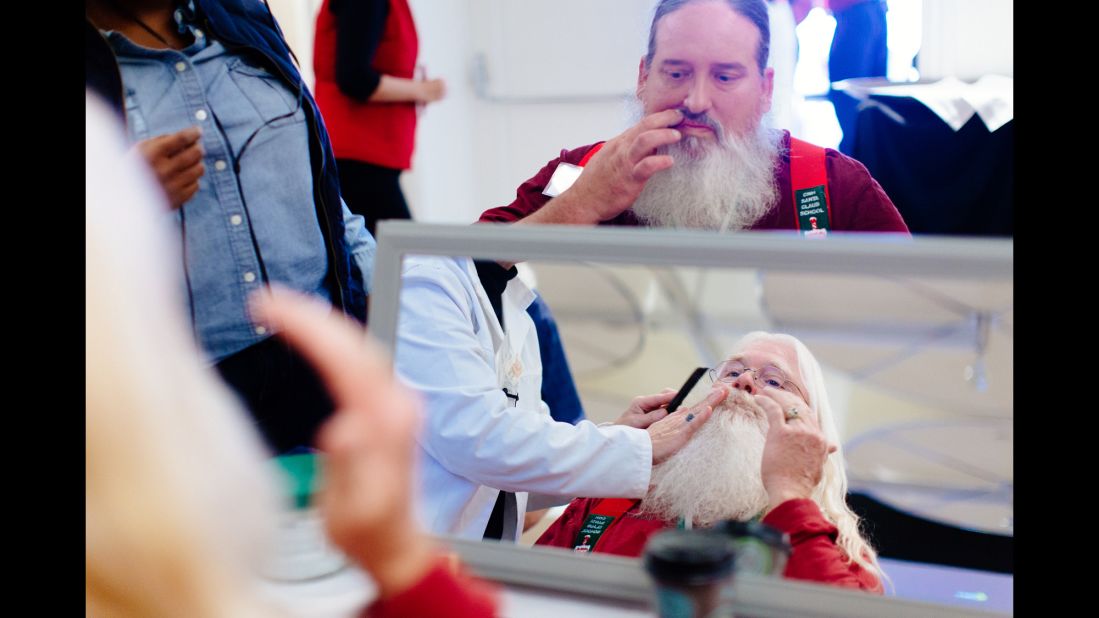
(812, 207)
(562, 179)
(594, 527)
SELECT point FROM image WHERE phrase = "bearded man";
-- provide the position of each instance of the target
(770, 450)
(702, 155)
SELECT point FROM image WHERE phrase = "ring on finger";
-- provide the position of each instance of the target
(792, 413)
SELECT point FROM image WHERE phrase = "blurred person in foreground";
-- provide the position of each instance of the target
(701, 154)
(770, 452)
(179, 502)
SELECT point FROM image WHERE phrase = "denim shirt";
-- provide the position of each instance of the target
(243, 228)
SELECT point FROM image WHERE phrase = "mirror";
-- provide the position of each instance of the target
(914, 337)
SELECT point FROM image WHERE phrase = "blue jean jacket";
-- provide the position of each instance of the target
(242, 25)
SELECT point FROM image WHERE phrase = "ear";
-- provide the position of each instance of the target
(768, 88)
(642, 76)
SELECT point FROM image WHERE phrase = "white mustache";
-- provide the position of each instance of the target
(741, 401)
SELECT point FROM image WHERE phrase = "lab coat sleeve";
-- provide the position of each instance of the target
(472, 430)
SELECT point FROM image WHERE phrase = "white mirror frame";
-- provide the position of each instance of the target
(622, 579)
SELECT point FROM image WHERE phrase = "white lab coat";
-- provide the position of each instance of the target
(476, 441)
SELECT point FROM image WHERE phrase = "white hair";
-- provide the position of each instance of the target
(178, 502)
(830, 495)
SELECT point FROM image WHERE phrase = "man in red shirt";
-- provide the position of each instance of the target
(770, 450)
(702, 156)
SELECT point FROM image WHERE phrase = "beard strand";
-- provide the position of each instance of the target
(727, 185)
(716, 476)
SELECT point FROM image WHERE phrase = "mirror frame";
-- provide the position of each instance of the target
(623, 579)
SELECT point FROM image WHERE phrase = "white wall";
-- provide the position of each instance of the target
(967, 39)
(525, 79)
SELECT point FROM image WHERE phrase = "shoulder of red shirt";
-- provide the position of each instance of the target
(441, 592)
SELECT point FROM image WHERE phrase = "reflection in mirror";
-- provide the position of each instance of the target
(918, 370)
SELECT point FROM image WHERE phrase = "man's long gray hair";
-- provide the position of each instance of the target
(831, 493)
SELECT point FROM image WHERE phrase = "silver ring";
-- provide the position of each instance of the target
(792, 413)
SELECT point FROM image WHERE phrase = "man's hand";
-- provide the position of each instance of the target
(673, 432)
(176, 159)
(615, 176)
(645, 410)
(795, 449)
(368, 443)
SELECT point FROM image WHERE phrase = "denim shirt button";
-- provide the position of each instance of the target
(249, 277)
(201, 114)
(181, 66)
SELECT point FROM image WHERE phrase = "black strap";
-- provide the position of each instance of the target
(495, 527)
(494, 278)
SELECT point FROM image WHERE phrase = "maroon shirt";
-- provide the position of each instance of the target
(815, 556)
(858, 203)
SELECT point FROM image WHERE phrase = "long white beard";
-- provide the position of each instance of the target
(723, 185)
(717, 475)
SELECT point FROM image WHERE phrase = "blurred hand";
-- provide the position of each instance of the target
(176, 159)
(368, 443)
(432, 90)
(795, 449)
(674, 431)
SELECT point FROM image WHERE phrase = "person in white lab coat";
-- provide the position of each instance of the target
(487, 428)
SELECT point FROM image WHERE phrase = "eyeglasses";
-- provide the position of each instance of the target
(767, 376)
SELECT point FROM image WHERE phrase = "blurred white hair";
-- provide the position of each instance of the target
(178, 502)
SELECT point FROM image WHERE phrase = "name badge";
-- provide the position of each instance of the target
(812, 207)
(562, 179)
(594, 527)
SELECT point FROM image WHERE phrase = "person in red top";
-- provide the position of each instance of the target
(365, 64)
(770, 450)
(702, 157)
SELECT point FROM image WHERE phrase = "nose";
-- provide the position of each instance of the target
(746, 383)
(698, 97)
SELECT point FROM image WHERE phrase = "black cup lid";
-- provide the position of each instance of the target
(689, 557)
(770, 535)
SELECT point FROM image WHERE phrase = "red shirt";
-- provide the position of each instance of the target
(815, 556)
(857, 201)
(378, 133)
(439, 593)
